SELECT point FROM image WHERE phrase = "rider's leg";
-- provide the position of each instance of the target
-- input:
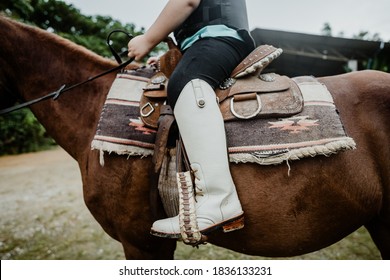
(201, 69)
(203, 133)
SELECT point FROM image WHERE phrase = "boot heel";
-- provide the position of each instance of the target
(234, 225)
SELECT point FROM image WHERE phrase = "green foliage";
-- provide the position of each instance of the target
(380, 63)
(67, 21)
(380, 60)
(20, 131)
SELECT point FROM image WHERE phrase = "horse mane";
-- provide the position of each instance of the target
(55, 39)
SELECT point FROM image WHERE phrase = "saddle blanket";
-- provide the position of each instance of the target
(317, 130)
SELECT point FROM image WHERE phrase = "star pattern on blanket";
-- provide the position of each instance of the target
(295, 124)
(139, 125)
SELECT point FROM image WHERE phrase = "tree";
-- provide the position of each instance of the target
(326, 30)
(67, 21)
(20, 132)
(379, 61)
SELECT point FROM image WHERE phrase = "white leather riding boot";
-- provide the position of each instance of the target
(203, 133)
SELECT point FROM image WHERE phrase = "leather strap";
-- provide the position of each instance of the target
(165, 122)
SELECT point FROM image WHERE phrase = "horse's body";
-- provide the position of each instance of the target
(322, 200)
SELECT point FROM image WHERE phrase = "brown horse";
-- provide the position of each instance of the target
(323, 199)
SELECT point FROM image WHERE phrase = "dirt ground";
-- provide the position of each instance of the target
(43, 216)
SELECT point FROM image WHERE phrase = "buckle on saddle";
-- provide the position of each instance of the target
(244, 108)
(148, 113)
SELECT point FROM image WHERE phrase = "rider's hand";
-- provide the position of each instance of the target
(152, 60)
(139, 46)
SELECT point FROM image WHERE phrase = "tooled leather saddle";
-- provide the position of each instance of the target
(247, 94)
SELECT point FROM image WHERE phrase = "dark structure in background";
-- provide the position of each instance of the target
(305, 54)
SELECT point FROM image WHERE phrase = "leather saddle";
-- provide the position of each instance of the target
(247, 94)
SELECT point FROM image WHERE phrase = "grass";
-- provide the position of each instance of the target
(83, 240)
(357, 246)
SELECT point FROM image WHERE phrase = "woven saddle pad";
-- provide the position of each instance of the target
(316, 130)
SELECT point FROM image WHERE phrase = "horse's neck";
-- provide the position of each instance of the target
(71, 120)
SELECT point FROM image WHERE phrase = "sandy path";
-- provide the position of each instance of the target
(43, 212)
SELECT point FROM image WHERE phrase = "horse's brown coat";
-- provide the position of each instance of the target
(322, 201)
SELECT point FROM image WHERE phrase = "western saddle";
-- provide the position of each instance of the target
(248, 93)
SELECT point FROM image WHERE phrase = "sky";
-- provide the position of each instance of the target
(303, 16)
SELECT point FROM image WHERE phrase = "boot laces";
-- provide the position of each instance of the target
(198, 190)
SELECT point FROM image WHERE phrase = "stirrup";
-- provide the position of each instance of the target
(201, 237)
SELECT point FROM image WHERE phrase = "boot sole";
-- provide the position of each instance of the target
(230, 225)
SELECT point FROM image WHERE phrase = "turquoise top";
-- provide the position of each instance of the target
(210, 31)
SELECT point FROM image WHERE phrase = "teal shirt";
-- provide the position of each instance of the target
(210, 31)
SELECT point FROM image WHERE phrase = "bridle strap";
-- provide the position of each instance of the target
(108, 42)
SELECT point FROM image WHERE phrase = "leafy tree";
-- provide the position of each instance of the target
(326, 30)
(20, 132)
(67, 21)
(379, 61)
(366, 35)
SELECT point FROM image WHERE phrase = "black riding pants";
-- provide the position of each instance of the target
(209, 59)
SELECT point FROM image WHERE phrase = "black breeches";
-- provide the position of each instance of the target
(209, 59)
